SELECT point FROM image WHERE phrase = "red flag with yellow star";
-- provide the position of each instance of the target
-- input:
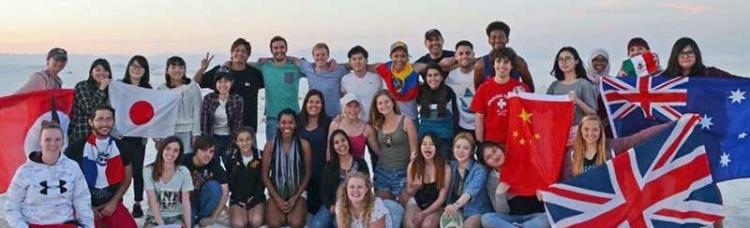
(538, 131)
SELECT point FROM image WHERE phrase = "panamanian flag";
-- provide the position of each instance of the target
(102, 167)
(636, 103)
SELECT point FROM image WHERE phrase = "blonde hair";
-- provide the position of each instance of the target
(579, 146)
(344, 205)
(465, 136)
(323, 46)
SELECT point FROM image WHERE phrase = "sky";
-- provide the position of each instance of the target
(538, 28)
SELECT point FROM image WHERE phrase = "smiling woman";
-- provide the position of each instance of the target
(88, 94)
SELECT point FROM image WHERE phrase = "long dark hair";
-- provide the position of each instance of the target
(158, 165)
(98, 62)
(419, 164)
(335, 163)
(304, 116)
(579, 69)
(427, 95)
(175, 61)
(673, 66)
(146, 71)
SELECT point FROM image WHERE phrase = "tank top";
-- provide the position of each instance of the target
(357, 142)
(287, 167)
(427, 195)
(394, 148)
(317, 139)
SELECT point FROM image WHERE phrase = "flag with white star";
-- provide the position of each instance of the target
(725, 122)
(634, 104)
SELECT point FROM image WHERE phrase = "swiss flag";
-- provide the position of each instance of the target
(21, 117)
(142, 112)
(538, 131)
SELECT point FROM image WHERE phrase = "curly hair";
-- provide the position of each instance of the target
(345, 205)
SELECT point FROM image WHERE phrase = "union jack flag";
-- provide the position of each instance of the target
(665, 182)
(635, 103)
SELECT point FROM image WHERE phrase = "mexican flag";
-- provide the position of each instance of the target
(21, 122)
(641, 65)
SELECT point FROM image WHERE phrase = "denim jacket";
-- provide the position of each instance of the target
(474, 185)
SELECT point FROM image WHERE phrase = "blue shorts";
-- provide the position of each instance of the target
(393, 180)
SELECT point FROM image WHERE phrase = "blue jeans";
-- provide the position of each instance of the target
(206, 201)
(322, 219)
(271, 125)
(504, 220)
(393, 180)
(396, 210)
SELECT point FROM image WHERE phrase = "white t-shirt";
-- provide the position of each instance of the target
(463, 85)
(221, 120)
(378, 211)
(364, 87)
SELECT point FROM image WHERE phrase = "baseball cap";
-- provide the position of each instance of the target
(431, 33)
(348, 98)
(399, 44)
(57, 53)
(223, 73)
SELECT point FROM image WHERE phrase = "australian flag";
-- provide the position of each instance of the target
(636, 103)
(664, 182)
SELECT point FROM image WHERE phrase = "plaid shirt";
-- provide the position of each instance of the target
(87, 96)
(234, 112)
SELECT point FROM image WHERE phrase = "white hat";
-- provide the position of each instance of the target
(349, 97)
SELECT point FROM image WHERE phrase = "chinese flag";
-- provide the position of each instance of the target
(538, 131)
(21, 116)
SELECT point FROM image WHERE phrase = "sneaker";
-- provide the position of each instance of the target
(137, 211)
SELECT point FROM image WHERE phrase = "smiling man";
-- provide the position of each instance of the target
(433, 41)
(105, 163)
(210, 181)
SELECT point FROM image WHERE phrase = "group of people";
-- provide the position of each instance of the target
(435, 131)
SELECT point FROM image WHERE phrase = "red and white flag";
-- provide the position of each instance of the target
(142, 112)
(21, 117)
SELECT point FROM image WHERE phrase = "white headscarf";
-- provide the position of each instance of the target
(592, 74)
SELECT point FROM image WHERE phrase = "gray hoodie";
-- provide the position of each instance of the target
(48, 194)
(189, 112)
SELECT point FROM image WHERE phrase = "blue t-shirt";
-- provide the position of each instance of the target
(328, 82)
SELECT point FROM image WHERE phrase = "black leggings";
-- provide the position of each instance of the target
(138, 150)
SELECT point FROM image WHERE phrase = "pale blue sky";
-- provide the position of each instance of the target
(539, 28)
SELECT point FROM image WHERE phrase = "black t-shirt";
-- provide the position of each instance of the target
(100, 196)
(427, 59)
(210, 171)
(246, 83)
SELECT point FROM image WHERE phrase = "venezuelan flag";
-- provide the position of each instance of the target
(403, 86)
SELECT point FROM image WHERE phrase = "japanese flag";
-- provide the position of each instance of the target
(142, 112)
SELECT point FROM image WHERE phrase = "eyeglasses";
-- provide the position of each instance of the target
(565, 59)
(686, 54)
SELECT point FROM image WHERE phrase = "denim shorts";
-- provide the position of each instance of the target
(393, 180)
